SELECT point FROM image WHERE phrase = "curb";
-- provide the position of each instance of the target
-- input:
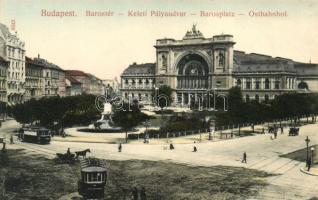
(307, 172)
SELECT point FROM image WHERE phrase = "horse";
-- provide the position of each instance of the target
(82, 153)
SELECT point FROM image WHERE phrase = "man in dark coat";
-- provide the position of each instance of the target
(308, 164)
(244, 160)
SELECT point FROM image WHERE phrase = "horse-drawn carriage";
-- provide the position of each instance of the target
(293, 131)
(69, 158)
(65, 158)
(93, 178)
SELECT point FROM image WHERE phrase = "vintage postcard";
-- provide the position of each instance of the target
(158, 99)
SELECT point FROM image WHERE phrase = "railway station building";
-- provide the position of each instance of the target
(196, 66)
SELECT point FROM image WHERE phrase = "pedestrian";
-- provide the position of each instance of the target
(135, 193)
(171, 146)
(119, 147)
(68, 152)
(143, 195)
(263, 130)
(308, 164)
(4, 147)
(0, 123)
(194, 147)
(244, 160)
(11, 140)
(275, 134)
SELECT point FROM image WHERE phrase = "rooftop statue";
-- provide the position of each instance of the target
(193, 34)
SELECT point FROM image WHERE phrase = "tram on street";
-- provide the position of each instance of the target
(35, 135)
(93, 178)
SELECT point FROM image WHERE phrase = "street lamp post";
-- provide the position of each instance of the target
(312, 149)
(214, 99)
(307, 140)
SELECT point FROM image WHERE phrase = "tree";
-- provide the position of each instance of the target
(56, 112)
(128, 117)
(163, 97)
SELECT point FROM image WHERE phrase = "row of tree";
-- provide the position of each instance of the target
(289, 105)
(56, 111)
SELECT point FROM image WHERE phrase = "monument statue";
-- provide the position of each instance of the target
(105, 123)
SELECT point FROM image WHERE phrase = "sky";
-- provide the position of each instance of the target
(105, 46)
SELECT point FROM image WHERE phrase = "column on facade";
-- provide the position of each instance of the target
(252, 83)
(136, 83)
(176, 98)
(182, 99)
(129, 83)
(198, 82)
(143, 84)
(243, 86)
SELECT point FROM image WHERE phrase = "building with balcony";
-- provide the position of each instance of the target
(138, 81)
(34, 83)
(73, 86)
(3, 79)
(81, 77)
(96, 85)
(53, 78)
(90, 84)
(12, 49)
(197, 67)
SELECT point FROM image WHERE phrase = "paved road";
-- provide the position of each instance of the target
(262, 154)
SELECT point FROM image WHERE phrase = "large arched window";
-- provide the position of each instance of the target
(303, 85)
(257, 98)
(193, 72)
(238, 83)
(277, 83)
(248, 84)
(267, 86)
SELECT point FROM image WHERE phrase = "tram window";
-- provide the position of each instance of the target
(99, 177)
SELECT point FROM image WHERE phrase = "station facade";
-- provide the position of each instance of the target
(196, 67)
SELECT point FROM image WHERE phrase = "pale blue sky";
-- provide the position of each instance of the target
(105, 46)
